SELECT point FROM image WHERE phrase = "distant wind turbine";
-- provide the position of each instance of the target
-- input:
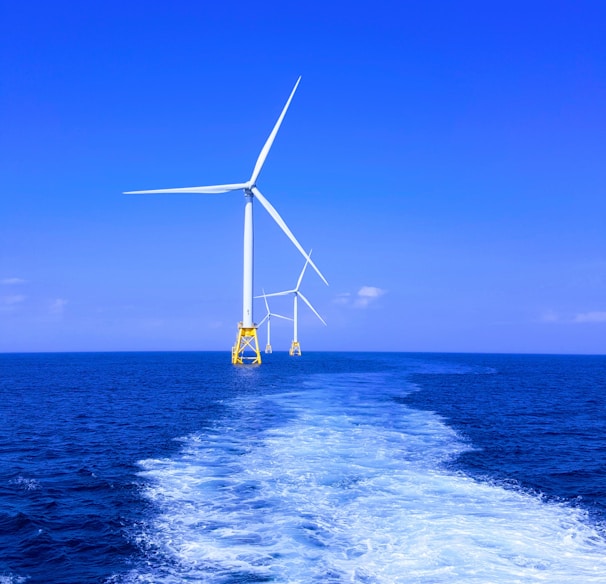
(295, 347)
(247, 329)
(267, 318)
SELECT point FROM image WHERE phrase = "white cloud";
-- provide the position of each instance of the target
(550, 316)
(12, 281)
(342, 298)
(361, 299)
(597, 316)
(367, 295)
(370, 292)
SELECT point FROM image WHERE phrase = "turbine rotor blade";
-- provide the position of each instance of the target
(280, 316)
(270, 140)
(312, 308)
(276, 217)
(211, 190)
(303, 272)
(266, 304)
(284, 293)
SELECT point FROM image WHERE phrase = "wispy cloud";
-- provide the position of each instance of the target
(12, 281)
(596, 316)
(365, 296)
(551, 316)
(11, 302)
(57, 306)
(342, 298)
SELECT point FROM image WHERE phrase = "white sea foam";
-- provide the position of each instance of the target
(25, 483)
(346, 485)
(12, 579)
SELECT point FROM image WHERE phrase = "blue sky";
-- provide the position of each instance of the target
(444, 160)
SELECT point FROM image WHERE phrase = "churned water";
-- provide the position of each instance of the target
(367, 468)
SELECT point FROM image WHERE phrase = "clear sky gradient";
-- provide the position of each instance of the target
(446, 161)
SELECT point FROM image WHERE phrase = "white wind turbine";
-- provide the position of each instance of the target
(295, 347)
(247, 329)
(267, 318)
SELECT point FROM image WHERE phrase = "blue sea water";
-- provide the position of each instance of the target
(121, 468)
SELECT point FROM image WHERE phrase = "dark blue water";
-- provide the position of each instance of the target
(537, 420)
(179, 467)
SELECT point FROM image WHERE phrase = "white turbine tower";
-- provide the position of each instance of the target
(267, 318)
(247, 329)
(295, 347)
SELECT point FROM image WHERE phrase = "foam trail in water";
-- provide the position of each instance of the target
(337, 482)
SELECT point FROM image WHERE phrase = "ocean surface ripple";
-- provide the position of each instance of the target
(365, 468)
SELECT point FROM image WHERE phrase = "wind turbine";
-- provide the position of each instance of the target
(267, 318)
(247, 329)
(295, 347)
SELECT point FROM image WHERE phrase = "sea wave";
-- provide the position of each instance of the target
(336, 481)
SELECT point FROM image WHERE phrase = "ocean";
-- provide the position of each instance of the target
(370, 468)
